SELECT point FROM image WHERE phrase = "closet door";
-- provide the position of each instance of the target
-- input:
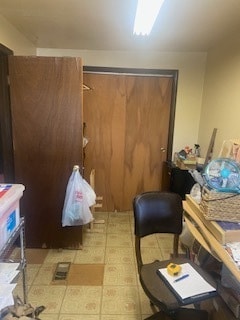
(127, 124)
(46, 105)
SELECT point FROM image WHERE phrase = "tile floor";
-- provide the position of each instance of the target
(120, 296)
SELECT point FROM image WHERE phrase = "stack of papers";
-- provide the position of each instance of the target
(6, 296)
(189, 286)
(233, 249)
(8, 272)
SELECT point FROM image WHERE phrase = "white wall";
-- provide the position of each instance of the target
(221, 97)
(11, 38)
(191, 68)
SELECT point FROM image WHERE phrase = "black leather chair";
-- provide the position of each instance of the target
(162, 212)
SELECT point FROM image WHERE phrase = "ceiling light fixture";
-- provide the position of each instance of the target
(146, 14)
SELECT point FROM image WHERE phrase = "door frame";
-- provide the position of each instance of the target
(153, 73)
(6, 141)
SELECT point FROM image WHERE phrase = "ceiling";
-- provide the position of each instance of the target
(182, 25)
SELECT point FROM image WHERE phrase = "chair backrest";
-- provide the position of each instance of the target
(157, 212)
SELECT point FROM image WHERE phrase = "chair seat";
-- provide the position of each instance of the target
(157, 290)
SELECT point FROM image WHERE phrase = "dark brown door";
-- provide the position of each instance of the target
(6, 147)
(127, 124)
(46, 102)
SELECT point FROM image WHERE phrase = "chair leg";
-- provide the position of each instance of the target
(155, 310)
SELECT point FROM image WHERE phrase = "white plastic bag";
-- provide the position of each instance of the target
(79, 197)
(196, 193)
(89, 193)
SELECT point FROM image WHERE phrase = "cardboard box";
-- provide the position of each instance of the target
(9, 210)
(224, 232)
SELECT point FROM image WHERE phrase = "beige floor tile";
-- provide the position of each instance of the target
(55, 256)
(119, 240)
(48, 316)
(121, 296)
(121, 317)
(49, 296)
(166, 254)
(79, 317)
(96, 228)
(132, 228)
(18, 291)
(151, 254)
(99, 223)
(45, 274)
(164, 236)
(119, 228)
(144, 303)
(119, 217)
(149, 242)
(119, 256)
(94, 239)
(82, 300)
(120, 300)
(101, 215)
(31, 271)
(165, 242)
(90, 255)
(120, 274)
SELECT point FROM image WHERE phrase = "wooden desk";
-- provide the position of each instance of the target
(200, 230)
(206, 238)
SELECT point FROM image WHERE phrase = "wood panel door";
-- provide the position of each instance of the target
(127, 124)
(46, 103)
(6, 147)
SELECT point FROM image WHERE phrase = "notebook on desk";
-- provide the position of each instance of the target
(189, 286)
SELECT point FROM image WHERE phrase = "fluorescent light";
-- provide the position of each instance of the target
(147, 11)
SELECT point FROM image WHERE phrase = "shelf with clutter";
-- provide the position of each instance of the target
(188, 158)
(212, 218)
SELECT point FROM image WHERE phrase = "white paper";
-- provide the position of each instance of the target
(235, 248)
(8, 271)
(6, 297)
(190, 286)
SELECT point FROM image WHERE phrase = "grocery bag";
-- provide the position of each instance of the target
(79, 197)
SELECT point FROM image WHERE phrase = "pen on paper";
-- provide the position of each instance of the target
(181, 278)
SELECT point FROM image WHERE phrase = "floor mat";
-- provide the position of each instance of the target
(35, 256)
(83, 275)
(86, 274)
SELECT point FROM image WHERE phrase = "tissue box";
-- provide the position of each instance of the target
(9, 210)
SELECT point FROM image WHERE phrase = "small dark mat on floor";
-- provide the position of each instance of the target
(83, 275)
(35, 256)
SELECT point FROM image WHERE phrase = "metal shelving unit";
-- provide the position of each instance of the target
(5, 252)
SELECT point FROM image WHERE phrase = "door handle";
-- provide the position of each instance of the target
(163, 149)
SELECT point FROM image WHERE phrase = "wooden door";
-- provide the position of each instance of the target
(46, 103)
(127, 124)
(6, 147)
